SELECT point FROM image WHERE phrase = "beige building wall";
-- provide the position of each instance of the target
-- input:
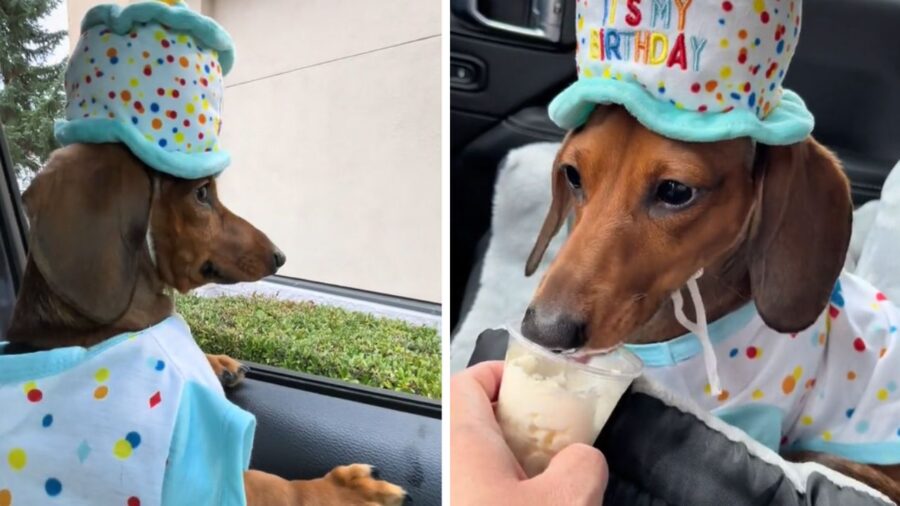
(332, 117)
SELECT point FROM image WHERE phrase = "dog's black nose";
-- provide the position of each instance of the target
(280, 258)
(556, 332)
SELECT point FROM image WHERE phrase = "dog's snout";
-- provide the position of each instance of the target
(279, 258)
(556, 332)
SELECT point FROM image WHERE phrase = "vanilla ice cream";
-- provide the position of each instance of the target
(548, 402)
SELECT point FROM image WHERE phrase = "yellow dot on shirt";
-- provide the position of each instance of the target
(17, 459)
(725, 73)
(101, 375)
(133, 82)
(182, 39)
(179, 138)
(159, 35)
(189, 108)
(806, 420)
(757, 395)
(883, 394)
(122, 449)
(723, 43)
(798, 371)
(826, 436)
(31, 385)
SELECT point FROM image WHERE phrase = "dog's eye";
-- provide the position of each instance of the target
(573, 177)
(674, 194)
(202, 194)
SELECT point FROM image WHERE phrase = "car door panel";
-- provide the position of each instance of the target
(306, 426)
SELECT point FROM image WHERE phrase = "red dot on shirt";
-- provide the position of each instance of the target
(695, 87)
(727, 6)
(35, 395)
(134, 501)
(752, 352)
(859, 344)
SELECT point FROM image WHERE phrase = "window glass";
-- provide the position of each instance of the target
(335, 146)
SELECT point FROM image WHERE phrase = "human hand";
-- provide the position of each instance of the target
(483, 469)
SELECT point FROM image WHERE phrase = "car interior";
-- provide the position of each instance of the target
(509, 58)
(306, 425)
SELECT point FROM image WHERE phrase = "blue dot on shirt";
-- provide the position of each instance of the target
(849, 413)
(47, 421)
(733, 353)
(53, 487)
(154, 107)
(162, 143)
(160, 365)
(134, 438)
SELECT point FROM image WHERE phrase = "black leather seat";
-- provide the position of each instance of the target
(847, 69)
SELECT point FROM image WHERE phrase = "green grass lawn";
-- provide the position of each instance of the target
(321, 340)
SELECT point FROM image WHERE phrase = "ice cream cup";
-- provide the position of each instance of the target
(549, 400)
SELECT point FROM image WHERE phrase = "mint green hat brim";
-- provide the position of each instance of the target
(101, 130)
(181, 19)
(788, 123)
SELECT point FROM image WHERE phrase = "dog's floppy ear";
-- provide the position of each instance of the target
(556, 216)
(801, 233)
(88, 211)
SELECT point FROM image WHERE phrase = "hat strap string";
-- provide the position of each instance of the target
(151, 247)
(699, 328)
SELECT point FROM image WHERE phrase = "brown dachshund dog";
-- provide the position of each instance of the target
(91, 275)
(652, 211)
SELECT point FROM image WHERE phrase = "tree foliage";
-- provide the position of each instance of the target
(32, 93)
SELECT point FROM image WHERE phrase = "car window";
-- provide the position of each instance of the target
(332, 158)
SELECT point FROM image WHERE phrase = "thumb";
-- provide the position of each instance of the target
(577, 475)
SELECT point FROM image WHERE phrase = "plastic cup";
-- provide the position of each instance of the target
(549, 401)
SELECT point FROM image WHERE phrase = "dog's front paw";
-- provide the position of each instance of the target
(229, 371)
(357, 484)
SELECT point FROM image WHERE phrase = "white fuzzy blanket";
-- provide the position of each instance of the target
(522, 198)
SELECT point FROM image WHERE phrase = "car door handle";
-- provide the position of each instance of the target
(546, 19)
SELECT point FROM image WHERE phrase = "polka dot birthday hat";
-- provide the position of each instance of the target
(150, 76)
(693, 70)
